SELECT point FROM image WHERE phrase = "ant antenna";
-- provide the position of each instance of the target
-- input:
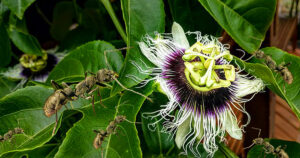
(249, 146)
(259, 130)
(106, 61)
(132, 122)
(131, 90)
(244, 53)
(113, 50)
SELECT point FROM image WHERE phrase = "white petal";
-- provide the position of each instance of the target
(182, 132)
(13, 72)
(246, 86)
(198, 125)
(179, 36)
(232, 127)
(150, 55)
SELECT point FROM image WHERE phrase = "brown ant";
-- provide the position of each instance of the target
(85, 86)
(267, 147)
(60, 97)
(8, 135)
(110, 129)
(284, 72)
(281, 68)
(281, 153)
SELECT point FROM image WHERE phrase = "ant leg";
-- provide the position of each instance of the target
(99, 95)
(101, 152)
(71, 105)
(284, 86)
(66, 107)
(55, 85)
(55, 124)
(93, 104)
(101, 103)
(90, 72)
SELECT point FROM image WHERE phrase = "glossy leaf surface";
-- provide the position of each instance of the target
(245, 21)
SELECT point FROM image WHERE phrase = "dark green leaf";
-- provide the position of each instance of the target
(141, 17)
(44, 151)
(63, 16)
(5, 55)
(3, 9)
(226, 151)
(18, 7)
(23, 108)
(76, 38)
(25, 42)
(6, 86)
(157, 141)
(193, 17)
(291, 148)
(245, 21)
(88, 57)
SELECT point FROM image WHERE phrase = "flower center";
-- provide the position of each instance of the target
(33, 62)
(202, 70)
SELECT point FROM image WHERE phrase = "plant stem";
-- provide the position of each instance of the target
(44, 17)
(76, 9)
(115, 20)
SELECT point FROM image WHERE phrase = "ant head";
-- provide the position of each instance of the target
(120, 118)
(69, 91)
(258, 141)
(105, 75)
(19, 130)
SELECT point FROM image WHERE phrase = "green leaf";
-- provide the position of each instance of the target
(63, 16)
(25, 42)
(157, 141)
(226, 151)
(43, 151)
(123, 144)
(3, 10)
(18, 7)
(245, 21)
(274, 81)
(193, 17)
(76, 38)
(5, 55)
(141, 17)
(24, 108)
(6, 86)
(290, 91)
(88, 57)
(291, 148)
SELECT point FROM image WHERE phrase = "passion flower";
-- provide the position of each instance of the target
(202, 86)
(34, 67)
